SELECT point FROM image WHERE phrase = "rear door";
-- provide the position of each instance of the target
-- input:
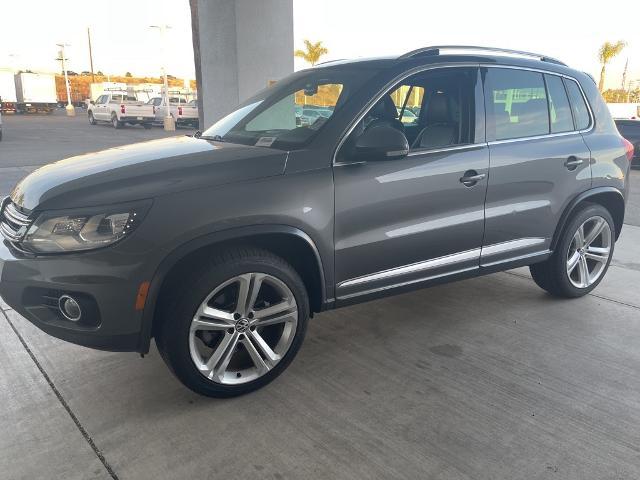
(405, 221)
(539, 162)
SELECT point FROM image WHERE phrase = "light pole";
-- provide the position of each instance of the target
(71, 112)
(93, 77)
(168, 121)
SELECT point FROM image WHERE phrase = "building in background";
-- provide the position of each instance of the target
(239, 46)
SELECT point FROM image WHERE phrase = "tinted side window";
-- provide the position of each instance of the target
(578, 107)
(559, 108)
(516, 103)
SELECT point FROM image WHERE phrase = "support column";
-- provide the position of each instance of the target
(239, 46)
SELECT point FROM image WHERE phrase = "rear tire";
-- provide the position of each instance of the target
(582, 256)
(207, 323)
(115, 122)
(147, 126)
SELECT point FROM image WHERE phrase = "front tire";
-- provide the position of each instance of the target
(92, 120)
(235, 324)
(582, 255)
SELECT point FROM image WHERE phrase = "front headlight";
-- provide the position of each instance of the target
(83, 229)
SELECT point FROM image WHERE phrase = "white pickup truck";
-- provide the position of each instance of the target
(183, 111)
(119, 107)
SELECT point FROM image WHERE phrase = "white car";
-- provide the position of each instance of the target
(183, 111)
(119, 107)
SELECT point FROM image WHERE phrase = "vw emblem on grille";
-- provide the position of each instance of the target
(242, 325)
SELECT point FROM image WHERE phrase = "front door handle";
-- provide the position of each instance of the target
(573, 162)
(471, 177)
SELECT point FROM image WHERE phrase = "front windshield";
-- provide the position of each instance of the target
(289, 116)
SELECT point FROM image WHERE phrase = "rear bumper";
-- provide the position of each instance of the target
(186, 121)
(134, 119)
(105, 285)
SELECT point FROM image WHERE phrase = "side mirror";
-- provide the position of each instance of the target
(381, 142)
(92, 102)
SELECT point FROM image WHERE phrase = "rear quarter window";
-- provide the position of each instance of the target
(581, 117)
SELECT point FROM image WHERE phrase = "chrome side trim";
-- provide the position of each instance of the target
(425, 151)
(537, 137)
(515, 259)
(510, 245)
(476, 253)
(409, 282)
(414, 267)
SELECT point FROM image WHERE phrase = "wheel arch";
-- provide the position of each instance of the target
(609, 197)
(288, 242)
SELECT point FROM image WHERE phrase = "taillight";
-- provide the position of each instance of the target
(122, 109)
(628, 148)
(179, 110)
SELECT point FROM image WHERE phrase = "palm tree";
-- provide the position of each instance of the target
(312, 53)
(605, 55)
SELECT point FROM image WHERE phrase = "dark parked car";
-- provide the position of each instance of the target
(630, 129)
(221, 247)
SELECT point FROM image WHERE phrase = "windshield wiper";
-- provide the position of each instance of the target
(214, 138)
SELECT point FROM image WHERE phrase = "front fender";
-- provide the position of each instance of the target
(181, 252)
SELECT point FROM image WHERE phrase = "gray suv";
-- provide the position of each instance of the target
(221, 246)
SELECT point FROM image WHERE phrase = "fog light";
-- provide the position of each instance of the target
(70, 308)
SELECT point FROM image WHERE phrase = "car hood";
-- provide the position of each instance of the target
(144, 170)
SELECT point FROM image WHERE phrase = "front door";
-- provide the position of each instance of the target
(406, 221)
(100, 108)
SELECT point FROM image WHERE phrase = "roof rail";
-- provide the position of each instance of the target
(435, 50)
(330, 61)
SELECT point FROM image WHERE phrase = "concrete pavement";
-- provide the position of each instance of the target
(488, 378)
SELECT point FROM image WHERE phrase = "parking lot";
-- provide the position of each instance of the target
(488, 378)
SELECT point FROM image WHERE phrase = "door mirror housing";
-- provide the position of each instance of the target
(381, 142)
(92, 102)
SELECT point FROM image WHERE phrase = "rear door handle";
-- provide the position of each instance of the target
(573, 162)
(471, 177)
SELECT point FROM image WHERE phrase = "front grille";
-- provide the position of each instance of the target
(13, 222)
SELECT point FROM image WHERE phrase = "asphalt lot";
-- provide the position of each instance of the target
(489, 378)
(31, 141)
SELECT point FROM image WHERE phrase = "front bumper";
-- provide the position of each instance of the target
(106, 284)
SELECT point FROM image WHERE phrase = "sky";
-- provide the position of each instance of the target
(123, 41)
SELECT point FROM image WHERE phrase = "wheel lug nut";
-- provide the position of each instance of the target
(250, 314)
(236, 316)
(253, 327)
(229, 330)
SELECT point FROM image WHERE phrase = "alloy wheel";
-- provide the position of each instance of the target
(589, 252)
(243, 328)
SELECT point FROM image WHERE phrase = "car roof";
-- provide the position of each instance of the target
(466, 54)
